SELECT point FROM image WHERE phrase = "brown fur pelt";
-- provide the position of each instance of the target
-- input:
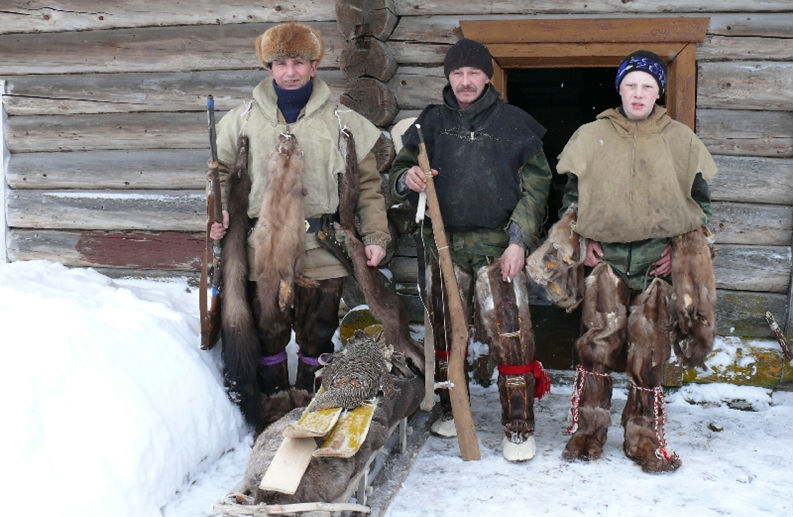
(650, 334)
(604, 318)
(694, 296)
(240, 337)
(557, 264)
(326, 479)
(383, 302)
(279, 235)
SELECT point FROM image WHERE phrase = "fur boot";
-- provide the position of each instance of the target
(603, 321)
(650, 335)
(694, 296)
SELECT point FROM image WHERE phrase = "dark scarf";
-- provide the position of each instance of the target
(290, 102)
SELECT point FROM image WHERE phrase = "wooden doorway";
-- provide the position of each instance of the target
(562, 72)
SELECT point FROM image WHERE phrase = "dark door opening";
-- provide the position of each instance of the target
(561, 99)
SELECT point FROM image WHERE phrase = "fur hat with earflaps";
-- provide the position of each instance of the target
(287, 40)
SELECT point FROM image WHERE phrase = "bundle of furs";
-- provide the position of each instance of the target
(651, 332)
(326, 479)
(279, 234)
(356, 373)
(383, 302)
(694, 296)
(238, 329)
(557, 265)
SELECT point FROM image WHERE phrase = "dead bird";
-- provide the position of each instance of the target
(356, 373)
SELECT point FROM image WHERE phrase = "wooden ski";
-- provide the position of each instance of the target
(288, 465)
(347, 436)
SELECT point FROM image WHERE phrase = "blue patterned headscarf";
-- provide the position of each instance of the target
(644, 61)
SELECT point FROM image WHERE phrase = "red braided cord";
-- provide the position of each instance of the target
(575, 398)
(659, 412)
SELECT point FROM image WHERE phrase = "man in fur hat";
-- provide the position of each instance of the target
(295, 161)
(637, 188)
(492, 181)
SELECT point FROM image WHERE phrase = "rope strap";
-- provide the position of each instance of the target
(659, 414)
(272, 360)
(542, 384)
(578, 388)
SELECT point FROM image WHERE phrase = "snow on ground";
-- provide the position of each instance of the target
(111, 409)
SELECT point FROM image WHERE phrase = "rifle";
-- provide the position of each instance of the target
(210, 312)
(458, 391)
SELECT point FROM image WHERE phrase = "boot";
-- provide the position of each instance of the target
(444, 425)
(517, 416)
(272, 378)
(591, 415)
(645, 440)
(306, 380)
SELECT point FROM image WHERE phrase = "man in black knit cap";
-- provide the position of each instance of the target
(492, 181)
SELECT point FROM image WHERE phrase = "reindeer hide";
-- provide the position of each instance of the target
(279, 235)
(557, 265)
(382, 301)
(694, 296)
(650, 334)
(239, 335)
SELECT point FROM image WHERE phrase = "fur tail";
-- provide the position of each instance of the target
(240, 337)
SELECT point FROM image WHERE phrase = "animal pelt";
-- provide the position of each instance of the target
(604, 318)
(382, 301)
(557, 264)
(238, 329)
(694, 296)
(279, 234)
(326, 479)
(640, 440)
(650, 334)
(356, 373)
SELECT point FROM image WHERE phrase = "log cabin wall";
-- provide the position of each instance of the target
(107, 141)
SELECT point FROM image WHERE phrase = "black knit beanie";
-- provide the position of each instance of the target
(467, 52)
(645, 61)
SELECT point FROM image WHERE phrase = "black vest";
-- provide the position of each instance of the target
(478, 153)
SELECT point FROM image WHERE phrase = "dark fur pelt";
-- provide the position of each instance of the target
(326, 479)
(240, 337)
(557, 264)
(383, 302)
(279, 235)
(694, 296)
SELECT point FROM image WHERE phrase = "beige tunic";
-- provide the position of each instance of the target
(635, 177)
(317, 130)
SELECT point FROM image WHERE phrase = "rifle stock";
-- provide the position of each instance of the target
(210, 312)
(458, 393)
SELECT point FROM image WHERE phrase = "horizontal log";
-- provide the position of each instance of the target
(753, 180)
(716, 48)
(745, 85)
(741, 313)
(107, 131)
(752, 268)
(746, 132)
(356, 18)
(745, 223)
(373, 99)
(133, 250)
(148, 49)
(81, 15)
(368, 56)
(145, 169)
(181, 211)
(414, 91)
(139, 92)
(768, 25)
(511, 7)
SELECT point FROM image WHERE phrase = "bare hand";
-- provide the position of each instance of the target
(218, 230)
(512, 261)
(663, 266)
(374, 254)
(416, 180)
(594, 253)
